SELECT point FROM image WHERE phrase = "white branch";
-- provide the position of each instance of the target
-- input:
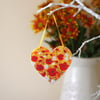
(80, 6)
(85, 42)
(72, 2)
(60, 4)
(78, 11)
(55, 10)
(97, 16)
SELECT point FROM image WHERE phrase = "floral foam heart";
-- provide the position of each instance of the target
(51, 65)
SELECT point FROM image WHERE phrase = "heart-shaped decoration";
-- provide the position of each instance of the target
(51, 65)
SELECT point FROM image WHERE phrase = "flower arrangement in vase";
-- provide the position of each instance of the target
(74, 30)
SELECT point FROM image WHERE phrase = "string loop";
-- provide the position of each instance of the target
(43, 34)
(58, 30)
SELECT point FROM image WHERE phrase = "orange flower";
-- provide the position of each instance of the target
(71, 31)
(67, 19)
(38, 25)
(87, 21)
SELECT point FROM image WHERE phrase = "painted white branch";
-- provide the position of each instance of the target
(78, 11)
(55, 10)
(97, 16)
(60, 4)
(80, 6)
(65, 6)
(72, 2)
(85, 42)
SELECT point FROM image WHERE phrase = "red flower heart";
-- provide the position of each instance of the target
(51, 65)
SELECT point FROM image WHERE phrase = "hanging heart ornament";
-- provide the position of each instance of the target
(51, 65)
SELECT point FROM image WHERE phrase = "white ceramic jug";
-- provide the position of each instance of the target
(81, 79)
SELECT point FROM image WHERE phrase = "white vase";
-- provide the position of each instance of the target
(81, 79)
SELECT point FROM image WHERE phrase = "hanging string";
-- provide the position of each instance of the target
(43, 34)
(58, 30)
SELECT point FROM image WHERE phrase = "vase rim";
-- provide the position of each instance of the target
(86, 61)
(94, 58)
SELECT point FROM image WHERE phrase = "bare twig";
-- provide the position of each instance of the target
(85, 42)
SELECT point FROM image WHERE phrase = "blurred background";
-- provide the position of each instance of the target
(18, 79)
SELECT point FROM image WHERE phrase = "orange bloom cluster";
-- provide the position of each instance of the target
(67, 24)
(38, 24)
(87, 21)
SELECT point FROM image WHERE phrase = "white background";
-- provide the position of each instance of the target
(18, 79)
